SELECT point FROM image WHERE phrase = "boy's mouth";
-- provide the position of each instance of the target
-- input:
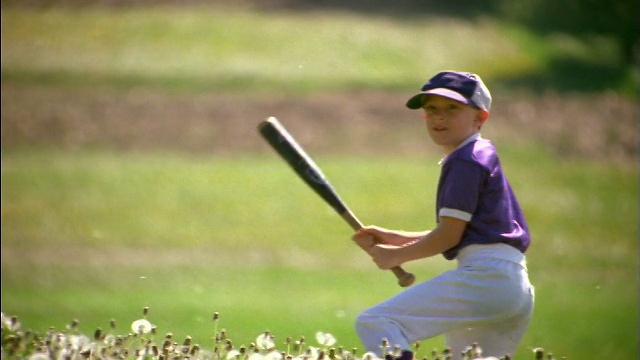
(440, 128)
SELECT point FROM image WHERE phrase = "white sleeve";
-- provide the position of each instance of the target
(458, 214)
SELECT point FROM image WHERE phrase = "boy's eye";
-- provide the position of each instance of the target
(432, 108)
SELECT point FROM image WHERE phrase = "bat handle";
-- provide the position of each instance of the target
(352, 220)
(405, 279)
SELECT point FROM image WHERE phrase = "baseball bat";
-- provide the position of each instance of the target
(289, 149)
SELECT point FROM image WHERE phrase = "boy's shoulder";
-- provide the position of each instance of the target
(480, 151)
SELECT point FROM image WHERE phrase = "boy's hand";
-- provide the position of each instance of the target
(364, 239)
(381, 253)
(382, 236)
(384, 256)
(369, 236)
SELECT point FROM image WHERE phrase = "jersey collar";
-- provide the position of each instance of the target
(471, 138)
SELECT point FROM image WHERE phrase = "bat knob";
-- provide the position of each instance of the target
(405, 279)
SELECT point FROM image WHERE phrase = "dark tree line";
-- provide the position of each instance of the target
(618, 19)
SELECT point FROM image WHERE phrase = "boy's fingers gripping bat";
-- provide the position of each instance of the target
(283, 143)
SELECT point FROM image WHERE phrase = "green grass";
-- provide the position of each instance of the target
(241, 49)
(233, 49)
(100, 235)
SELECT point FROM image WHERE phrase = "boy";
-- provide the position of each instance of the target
(487, 299)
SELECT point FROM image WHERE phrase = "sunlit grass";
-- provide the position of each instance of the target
(239, 49)
(97, 235)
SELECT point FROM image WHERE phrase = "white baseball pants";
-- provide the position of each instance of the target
(487, 299)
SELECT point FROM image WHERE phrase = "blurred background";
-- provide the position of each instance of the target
(133, 175)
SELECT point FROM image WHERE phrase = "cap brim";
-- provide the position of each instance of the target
(416, 101)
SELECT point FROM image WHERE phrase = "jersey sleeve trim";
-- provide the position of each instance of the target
(458, 214)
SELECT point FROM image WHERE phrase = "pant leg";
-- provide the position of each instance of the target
(401, 319)
(497, 338)
(476, 293)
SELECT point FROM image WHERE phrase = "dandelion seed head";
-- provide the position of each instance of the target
(187, 340)
(39, 356)
(79, 342)
(141, 326)
(97, 335)
(312, 352)
(370, 355)
(10, 322)
(273, 355)
(325, 339)
(233, 354)
(265, 341)
(109, 340)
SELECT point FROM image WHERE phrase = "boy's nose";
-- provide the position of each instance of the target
(437, 114)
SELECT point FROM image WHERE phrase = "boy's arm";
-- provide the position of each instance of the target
(371, 235)
(444, 237)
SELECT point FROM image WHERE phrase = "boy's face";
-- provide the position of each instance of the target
(450, 122)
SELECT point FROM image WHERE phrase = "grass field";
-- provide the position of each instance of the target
(235, 49)
(95, 228)
(240, 50)
(100, 236)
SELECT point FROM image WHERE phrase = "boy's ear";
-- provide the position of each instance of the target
(482, 117)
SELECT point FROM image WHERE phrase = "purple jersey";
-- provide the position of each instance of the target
(473, 188)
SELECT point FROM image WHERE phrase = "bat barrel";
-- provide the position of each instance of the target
(287, 147)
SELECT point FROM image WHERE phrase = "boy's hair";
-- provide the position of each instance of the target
(464, 87)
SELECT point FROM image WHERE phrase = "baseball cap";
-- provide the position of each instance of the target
(464, 87)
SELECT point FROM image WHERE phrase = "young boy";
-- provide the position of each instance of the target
(487, 299)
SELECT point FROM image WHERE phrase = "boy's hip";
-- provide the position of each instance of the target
(475, 253)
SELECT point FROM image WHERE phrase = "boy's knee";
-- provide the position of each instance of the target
(361, 322)
(368, 326)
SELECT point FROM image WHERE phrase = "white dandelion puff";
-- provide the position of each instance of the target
(39, 356)
(10, 322)
(80, 342)
(273, 355)
(325, 339)
(370, 355)
(265, 341)
(312, 352)
(141, 326)
(256, 356)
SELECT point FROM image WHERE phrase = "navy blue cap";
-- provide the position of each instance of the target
(464, 87)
